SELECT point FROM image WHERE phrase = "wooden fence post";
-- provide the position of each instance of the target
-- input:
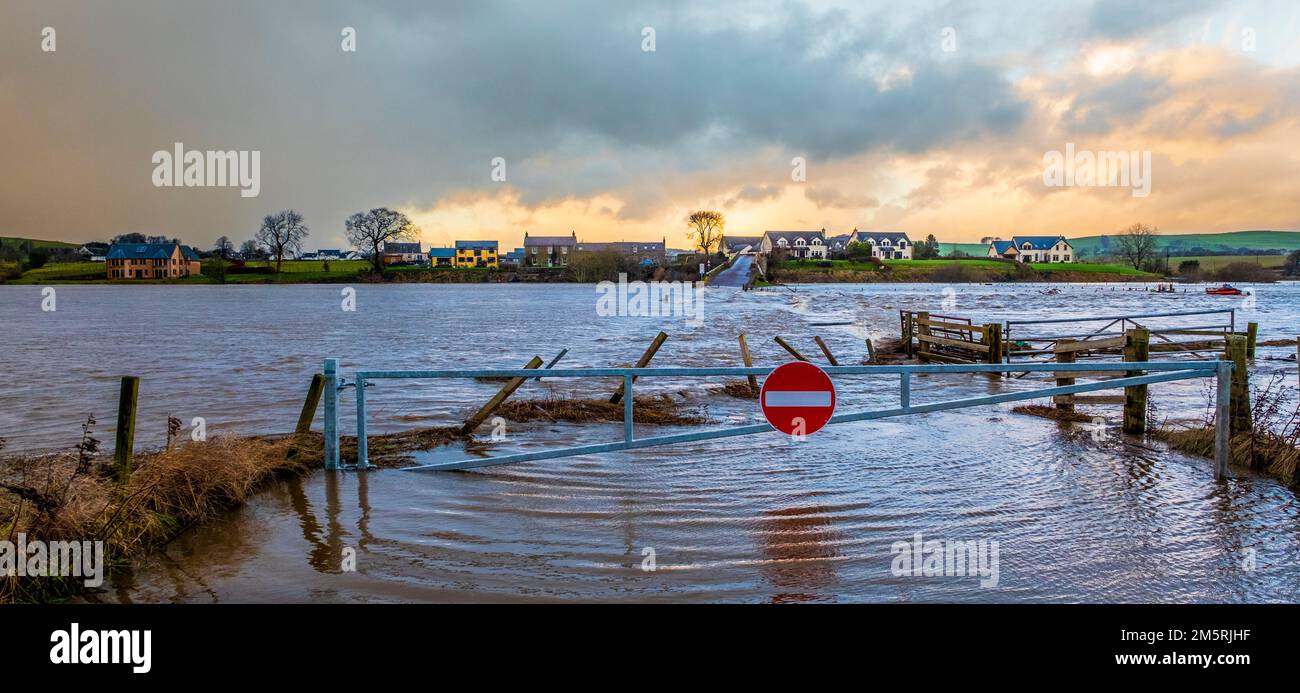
(1239, 399)
(308, 412)
(749, 363)
(124, 446)
(1064, 357)
(508, 389)
(1137, 348)
(1252, 332)
(641, 363)
(871, 351)
(793, 352)
(826, 350)
(922, 329)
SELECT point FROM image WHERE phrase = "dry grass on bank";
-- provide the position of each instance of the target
(739, 389)
(1253, 450)
(1051, 412)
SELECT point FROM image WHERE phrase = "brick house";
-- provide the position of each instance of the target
(549, 251)
(151, 261)
(641, 252)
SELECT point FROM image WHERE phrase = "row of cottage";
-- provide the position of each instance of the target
(889, 245)
(537, 251)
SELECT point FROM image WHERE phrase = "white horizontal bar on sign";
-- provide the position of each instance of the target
(797, 398)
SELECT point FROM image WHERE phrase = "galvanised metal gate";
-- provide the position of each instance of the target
(1155, 372)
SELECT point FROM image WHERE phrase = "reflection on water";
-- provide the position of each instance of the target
(1080, 512)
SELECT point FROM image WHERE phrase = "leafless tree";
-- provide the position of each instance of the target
(223, 248)
(367, 231)
(282, 233)
(706, 228)
(1137, 244)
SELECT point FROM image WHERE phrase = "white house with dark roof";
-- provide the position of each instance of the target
(886, 245)
(799, 244)
(1033, 249)
(735, 244)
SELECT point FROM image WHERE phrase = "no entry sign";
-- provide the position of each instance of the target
(798, 398)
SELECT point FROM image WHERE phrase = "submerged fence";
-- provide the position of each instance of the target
(1136, 376)
(1040, 337)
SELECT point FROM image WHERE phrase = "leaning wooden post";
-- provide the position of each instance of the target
(1064, 402)
(749, 363)
(508, 389)
(641, 363)
(1239, 403)
(871, 351)
(124, 446)
(922, 331)
(308, 413)
(1137, 348)
(1252, 331)
(793, 352)
(826, 350)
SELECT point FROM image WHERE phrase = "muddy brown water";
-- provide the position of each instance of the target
(1080, 513)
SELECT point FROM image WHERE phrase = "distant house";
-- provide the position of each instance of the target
(549, 251)
(838, 244)
(736, 244)
(442, 257)
(476, 253)
(514, 258)
(886, 245)
(799, 244)
(323, 254)
(151, 261)
(94, 252)
(1033, 249)
(403, 253)
(641, 252)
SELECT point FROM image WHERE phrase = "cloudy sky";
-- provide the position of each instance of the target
(903, 123)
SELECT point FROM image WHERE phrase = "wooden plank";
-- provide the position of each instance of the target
(953, 326)
(957, 343)
(1200, 345)
(641, 363)
(931, 356)
(793, 352)
(508, 389)
(1088, 345)
(749, 363)
(826, 350)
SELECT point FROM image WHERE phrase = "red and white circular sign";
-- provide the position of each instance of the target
(798, 398)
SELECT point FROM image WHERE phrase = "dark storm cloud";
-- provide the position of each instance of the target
(432, 94)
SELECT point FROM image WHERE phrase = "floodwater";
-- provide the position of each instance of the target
(1078, 512)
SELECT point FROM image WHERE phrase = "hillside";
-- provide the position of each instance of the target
(36, 243)
(1177, 243)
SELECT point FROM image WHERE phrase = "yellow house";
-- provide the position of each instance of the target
(476, 254)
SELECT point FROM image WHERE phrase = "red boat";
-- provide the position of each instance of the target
(1225, 290)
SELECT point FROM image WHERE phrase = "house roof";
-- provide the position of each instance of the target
(390, 247)
(736, 241)
(878, 236)
(530, 241)
(148, 251)
(329, 251)
(1037, 242)
(442, 252)
(476, 245)
(1001, 247)
(840, 240)
(792, 236)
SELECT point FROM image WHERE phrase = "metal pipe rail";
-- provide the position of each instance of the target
(1156, 372)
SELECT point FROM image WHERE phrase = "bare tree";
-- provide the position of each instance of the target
(282, 233)
(706, 228)
(250, 249)
(223, 248)
(370, 230)
(1137, 244)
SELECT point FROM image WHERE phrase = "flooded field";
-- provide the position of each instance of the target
(1078, 514)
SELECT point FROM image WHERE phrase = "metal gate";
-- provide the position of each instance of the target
(1154, 372)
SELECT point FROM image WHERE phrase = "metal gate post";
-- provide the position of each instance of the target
(627, 407)
(363, 446)
(1222, 420)
(331, 414)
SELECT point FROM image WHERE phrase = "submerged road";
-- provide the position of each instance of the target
(736, 275)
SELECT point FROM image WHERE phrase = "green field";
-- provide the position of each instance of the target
(1213, 262)
(36, 242)
(336, 266)
(1088, 246)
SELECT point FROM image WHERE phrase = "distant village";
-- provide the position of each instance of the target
(137, 257)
